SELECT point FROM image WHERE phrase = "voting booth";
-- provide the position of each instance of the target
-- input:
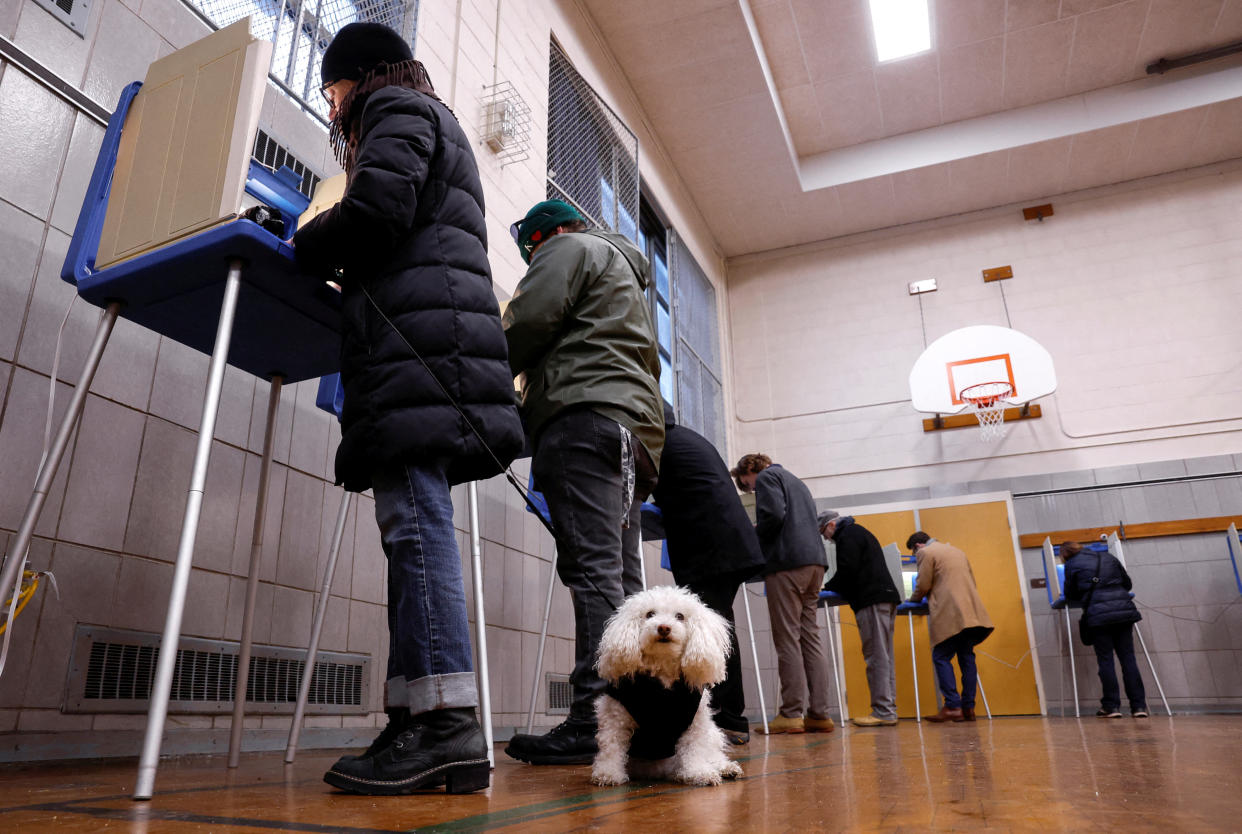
(161, 241)
(1054, 577)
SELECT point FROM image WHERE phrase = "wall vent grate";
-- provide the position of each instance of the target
(112, 670)
(72, 13)
(560, 694)
(271, 154)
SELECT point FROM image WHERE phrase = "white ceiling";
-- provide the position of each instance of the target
(1018, 101)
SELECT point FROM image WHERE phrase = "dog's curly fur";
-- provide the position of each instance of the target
(668, 633)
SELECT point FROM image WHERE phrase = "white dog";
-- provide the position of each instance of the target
(660, 653)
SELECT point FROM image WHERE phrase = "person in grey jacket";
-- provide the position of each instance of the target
(579, 332)
(789, 537)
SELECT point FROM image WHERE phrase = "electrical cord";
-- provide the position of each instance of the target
(508, 473)
(21, 595)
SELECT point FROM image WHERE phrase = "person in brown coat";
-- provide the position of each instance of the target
(956, 621)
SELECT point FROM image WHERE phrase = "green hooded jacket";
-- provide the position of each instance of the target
(580, 329)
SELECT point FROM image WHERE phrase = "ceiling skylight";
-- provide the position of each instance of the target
(902, 27)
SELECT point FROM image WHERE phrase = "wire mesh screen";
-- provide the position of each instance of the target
(300, 30)
(592, 155)
(700, 397)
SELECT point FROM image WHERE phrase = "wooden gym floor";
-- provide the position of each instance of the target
(1010, 774)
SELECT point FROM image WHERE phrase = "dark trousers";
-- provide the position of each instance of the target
(577, 467)
(962, 646)
(718, 593)
(1119, 639)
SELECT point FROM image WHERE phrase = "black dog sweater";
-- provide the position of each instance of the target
(662, 714)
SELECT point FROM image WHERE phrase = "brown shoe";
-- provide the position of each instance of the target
(819, 725)
(968, 713)
(781, 724)
(945, 714)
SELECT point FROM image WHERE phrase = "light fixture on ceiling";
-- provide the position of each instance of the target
(901, 27)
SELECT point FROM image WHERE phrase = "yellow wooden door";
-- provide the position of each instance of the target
(1004, 659)
(1005, 662)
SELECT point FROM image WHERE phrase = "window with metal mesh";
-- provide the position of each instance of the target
(300, 30)
(653, 241)
(592, 154)
(700, 395)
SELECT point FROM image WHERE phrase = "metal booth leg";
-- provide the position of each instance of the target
(914, 668)
(983, 694)
(543, 639)
(754, 653)
(242, 683)
(16, 558)
(480, 625)
(1155, 676)
(321, 613)
(158, 711)
(831, 620)
(1069, 647)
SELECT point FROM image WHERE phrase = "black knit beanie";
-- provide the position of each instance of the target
(359, 48)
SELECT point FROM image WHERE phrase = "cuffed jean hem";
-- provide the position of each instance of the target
(457, 689)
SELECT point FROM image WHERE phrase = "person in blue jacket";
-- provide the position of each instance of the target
(1110, 615)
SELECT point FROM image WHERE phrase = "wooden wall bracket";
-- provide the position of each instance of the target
(1026, 411)
(1145, 530)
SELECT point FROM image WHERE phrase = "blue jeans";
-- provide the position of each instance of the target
(577, 467)
(962, 646)
(429, 660)
(1119, 638)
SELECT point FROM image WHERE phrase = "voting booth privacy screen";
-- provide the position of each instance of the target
(183, 159)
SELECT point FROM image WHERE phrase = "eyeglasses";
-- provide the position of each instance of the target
(323, 91)
(516, 230)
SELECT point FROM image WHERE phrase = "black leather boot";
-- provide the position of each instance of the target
(439, 747)
(570, 742)
(398, 722)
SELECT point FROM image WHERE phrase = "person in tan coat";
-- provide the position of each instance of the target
(956, 621)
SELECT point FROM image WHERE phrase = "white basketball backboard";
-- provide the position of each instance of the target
(978, 354)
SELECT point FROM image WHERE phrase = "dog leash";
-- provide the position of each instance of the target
(508, 473)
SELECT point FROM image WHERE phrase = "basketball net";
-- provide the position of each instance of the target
(987, 400)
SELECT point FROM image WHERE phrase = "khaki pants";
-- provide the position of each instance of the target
(802, 662)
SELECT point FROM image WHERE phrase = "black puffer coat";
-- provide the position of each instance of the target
(410, 229)
(1111, 603)
(705, 523)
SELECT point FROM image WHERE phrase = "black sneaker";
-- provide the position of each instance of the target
(440, 747)
(1107, 713)
(569, 743)
(1141, 712)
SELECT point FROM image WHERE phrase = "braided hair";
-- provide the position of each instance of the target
(345, 127)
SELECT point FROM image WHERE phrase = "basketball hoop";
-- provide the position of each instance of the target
(987, 401)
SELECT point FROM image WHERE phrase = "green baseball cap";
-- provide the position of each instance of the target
(542, 219)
